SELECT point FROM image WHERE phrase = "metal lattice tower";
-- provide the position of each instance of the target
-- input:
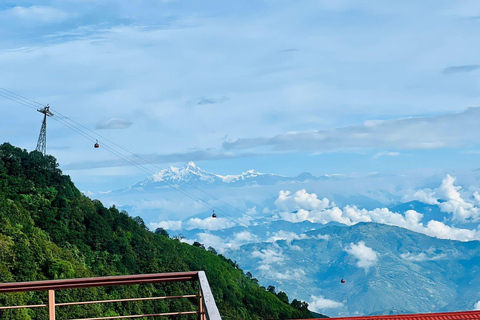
(42, 138)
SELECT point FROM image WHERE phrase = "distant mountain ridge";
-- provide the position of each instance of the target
(390, 269)
(191, 174)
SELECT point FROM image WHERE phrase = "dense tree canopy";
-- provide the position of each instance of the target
(49, 230)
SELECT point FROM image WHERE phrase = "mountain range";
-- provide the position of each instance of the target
(387, 269)
(178, 192)
(192, 176)
(303, 234)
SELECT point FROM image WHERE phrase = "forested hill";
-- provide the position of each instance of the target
(49, 230)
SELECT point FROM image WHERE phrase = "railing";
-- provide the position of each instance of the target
(207, 307)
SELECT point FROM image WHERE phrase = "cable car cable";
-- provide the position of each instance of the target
(27, 100)
(30, 104)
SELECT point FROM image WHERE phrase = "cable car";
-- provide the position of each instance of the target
(342, 281)
(96, 145)
(214, 215)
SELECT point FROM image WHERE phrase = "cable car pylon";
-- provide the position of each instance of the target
(42, 138)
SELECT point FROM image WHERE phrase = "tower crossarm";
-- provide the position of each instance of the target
(46, 111)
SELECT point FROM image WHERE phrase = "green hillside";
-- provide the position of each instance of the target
(49, 230)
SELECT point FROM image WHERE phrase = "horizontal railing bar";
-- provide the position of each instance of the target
(142, 315)
(89, 285)
(124, 300)
(97, 282)
(27, 306)
(52, 285)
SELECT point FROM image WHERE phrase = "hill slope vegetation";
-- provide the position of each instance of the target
(49, 230)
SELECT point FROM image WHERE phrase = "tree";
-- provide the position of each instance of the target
(299, 304)
(198, 244)
(179, 237)
(162, 232)
(212, 250)
(283, 296)
(271, 289)
(140, 221)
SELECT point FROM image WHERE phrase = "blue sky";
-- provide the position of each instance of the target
(278, 86)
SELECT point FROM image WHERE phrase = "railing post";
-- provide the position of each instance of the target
(211, 309)
(51, 304)
(202, 308)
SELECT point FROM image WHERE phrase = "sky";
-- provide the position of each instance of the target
(278, 86)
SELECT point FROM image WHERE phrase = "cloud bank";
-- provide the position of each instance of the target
(303, 206)
(366, 256)
(443, 131)
(449, 199)
(35, 15)
(460, 69)
(114, 123)
(318, 304)
(477, 306)
(422, 256)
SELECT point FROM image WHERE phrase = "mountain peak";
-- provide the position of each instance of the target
(190, 173)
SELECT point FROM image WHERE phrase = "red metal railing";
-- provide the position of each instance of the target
(207, 310)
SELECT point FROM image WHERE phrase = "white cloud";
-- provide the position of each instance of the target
(221, 244)
(35, 14)
(248, 216)
(287, 235)
(209, 223)
(425, 195)
(366, 256)
(423, 256)
(168, 225)
(88, 193)
(447, 197)
(322, 237)
(317, 216)
(273, 273)
(300, 199)
(441, 230)
(386, 154)
(408, 133)
(176, 208)
(269, 256)
(244, 236)
(114, 123)
(210, 240)
(454, 203)
(477, 306)
(320, 303)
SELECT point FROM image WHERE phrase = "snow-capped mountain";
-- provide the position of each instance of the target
(180, 192)
(192, 175)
